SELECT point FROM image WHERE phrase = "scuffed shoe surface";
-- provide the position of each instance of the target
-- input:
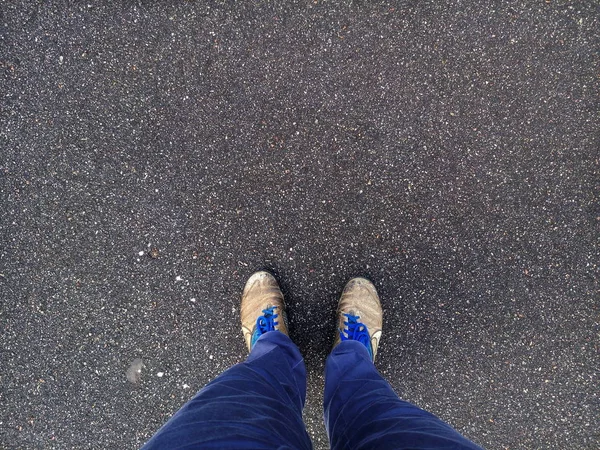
(262, 308)
(360, 315)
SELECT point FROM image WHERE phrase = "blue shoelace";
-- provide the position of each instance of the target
(264, 323)
(356, 331)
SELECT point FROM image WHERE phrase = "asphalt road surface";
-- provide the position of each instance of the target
(155, 154)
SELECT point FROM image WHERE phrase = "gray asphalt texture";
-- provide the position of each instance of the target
(446, 150)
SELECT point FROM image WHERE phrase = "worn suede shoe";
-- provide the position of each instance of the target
(262, 308)
(360, 315)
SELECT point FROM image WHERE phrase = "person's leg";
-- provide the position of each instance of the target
(256, 404)
(362, 411)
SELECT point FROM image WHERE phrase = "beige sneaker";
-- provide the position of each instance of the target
(262, 307)
(360, 315)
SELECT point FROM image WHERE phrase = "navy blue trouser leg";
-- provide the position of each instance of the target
(255, 404)
(362, 411)
(258, 404)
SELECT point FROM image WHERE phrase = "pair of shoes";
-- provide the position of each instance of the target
(359, 311)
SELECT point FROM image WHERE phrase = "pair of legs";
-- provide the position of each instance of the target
(258, 403)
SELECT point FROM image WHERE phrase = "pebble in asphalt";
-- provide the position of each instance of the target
(154, 155)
